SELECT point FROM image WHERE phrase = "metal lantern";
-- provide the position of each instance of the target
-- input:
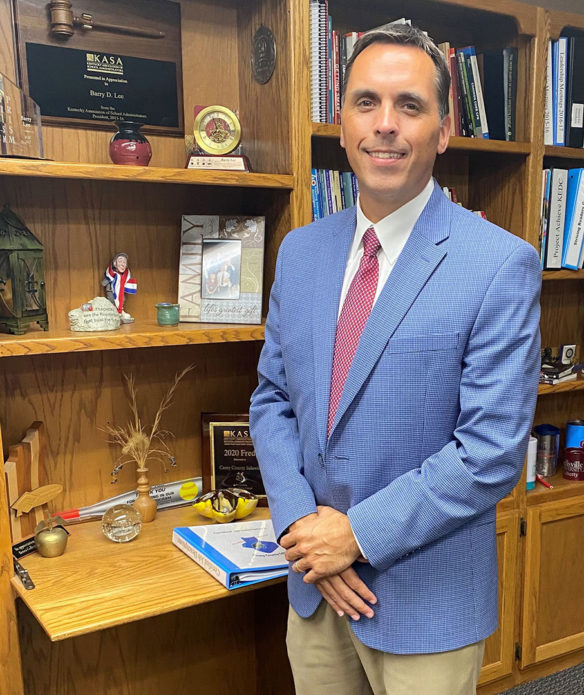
(22, 280)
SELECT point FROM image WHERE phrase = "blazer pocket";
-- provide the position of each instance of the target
(423, 343)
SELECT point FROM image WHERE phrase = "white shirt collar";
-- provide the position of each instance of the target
(393, 230)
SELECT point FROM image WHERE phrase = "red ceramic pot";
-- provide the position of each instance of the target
(129, 146)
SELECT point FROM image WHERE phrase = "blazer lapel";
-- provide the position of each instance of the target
(325, 307)
(418, 260)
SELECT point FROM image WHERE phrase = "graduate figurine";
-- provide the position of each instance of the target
(118, 282)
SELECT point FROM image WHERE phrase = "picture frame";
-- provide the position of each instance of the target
(228, 455)
(216, 246)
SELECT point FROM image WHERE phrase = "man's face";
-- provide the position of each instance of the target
(390, 125)
(121, 264)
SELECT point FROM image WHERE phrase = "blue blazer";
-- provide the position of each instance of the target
(433, 423)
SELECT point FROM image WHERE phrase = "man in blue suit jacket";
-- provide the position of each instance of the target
(388, 511)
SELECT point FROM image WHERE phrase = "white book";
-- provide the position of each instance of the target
(235, 554)
(479, 90)
(548, 132)
(558, 191)
(574, 225)
(561, 80)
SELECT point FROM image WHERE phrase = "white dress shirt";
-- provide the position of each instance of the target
(392, 231)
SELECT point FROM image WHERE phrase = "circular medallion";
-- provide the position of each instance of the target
(217, 130)
(263, 55)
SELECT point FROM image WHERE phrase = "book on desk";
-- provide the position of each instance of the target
(235, 554)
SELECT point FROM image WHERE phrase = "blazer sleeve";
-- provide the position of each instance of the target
(483, 461)
(274, 427)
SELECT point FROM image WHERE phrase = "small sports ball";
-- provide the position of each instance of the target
(188, 490)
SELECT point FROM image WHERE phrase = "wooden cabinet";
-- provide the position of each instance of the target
(83, 209)
(498, 659)
(553, 619)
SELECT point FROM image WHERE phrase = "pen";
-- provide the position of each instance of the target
(543, 482)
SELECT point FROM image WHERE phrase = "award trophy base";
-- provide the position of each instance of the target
(237, 162)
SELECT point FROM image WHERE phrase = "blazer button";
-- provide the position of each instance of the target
(321, 460)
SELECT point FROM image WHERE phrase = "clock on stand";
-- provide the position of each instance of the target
(217, 134)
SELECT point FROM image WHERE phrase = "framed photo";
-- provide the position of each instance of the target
(221, 268)
(229, 458)
(128, 68)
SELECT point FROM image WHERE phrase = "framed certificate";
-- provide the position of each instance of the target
(229, 458)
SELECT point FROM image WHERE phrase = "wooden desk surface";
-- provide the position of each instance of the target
(98, 584)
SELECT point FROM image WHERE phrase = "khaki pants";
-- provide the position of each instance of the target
(327, 659)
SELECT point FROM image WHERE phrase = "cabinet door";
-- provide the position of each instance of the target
(498, 660)
(553, 620)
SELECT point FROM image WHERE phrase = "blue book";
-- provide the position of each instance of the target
(314, 194)
(574, 224)
(236, 554)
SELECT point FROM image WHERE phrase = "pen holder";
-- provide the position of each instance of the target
(167, 314)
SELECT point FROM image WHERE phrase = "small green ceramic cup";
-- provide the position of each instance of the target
(167, 314)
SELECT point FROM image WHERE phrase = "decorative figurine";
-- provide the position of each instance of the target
(118, 282)
(50, 536)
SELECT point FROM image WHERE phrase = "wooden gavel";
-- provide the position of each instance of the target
(63, 23)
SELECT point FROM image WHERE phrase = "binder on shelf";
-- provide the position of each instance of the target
(557, 217)
(544, 214)
(575, 93)
(493, 83)
(559, 54)
(235, 554)
(548, 133)
(510, 55)
(574, 223)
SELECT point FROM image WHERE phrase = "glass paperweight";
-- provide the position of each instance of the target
(121, 523)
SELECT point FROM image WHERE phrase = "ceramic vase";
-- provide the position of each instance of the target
(128, 146)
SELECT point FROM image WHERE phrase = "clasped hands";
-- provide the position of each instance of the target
(324, 547)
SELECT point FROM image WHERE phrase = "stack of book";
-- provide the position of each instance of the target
(557, 373)
(562, 219)
(483, 90)
(564, 97)
(332, 191)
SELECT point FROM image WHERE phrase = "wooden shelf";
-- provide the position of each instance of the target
(562, 275)
(141, 334)
(562, 489)
(111, 172)
(98, 584)
(332, 131)
(546, 389)
(564, 152)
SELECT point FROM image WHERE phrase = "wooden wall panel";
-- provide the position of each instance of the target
(75, 395)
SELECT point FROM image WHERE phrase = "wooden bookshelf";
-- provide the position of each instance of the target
(112, 609)
(111, 172)
(563, 275)
(128, 336)
(565, 387)
(564, 152)
(456, 143)
(561, 489)
(95, 585)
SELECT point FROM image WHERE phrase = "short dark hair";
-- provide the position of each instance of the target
(406, 35)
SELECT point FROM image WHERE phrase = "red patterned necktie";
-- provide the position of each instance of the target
(353, 318)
